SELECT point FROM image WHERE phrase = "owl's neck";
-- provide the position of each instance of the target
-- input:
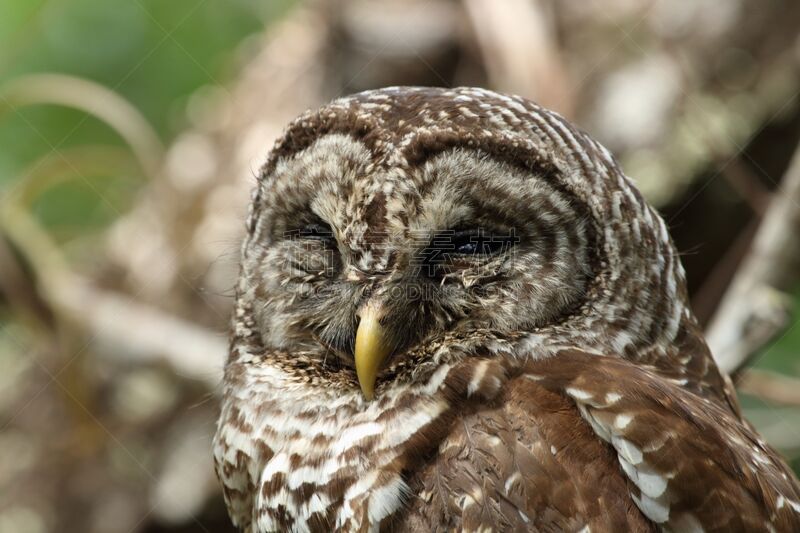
(332, 458)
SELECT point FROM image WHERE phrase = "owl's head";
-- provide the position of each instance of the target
(391, 226)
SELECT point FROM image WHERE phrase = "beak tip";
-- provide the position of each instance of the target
(370, 351)
(367, 384)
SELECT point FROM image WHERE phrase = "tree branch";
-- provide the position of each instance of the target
(756, 307)
(775, 388)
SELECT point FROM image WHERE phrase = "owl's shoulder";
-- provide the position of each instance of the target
(587, 440)
(528, 462)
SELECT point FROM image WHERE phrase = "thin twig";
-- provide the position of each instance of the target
(94, 99)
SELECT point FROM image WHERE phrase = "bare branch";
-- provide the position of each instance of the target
(133, 330)
(775, 388)
(141, 333)
(755, 307)
(520, 52)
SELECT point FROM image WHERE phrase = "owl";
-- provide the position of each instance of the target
(455, 312)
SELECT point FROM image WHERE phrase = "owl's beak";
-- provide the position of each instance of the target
(371, 348)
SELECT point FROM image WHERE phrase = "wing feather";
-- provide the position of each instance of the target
(692, 461)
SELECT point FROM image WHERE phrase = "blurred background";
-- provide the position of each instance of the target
(131, 132)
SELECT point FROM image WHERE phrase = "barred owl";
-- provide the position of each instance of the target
(455, 312)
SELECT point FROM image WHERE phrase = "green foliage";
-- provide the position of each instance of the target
(779, 424)
(783, 354)
(153, 53)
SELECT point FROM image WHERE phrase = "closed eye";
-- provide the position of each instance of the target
(460, 248)
(312, 249)
(317, 231)
(477, 241)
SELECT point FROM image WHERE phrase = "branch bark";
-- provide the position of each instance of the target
(775, 388)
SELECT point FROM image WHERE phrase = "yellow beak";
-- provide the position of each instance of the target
(371, 349)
